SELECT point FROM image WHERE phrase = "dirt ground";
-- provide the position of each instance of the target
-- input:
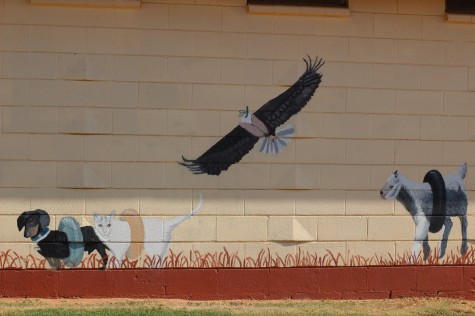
(408, 306)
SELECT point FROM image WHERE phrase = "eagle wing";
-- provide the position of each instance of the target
(278, 110)
(227, 151)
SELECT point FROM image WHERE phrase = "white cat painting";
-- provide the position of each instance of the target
(153, 234)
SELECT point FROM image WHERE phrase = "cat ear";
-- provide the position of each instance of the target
(96, 216)
(113, 213)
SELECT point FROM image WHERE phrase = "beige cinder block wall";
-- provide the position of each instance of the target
(98, 104)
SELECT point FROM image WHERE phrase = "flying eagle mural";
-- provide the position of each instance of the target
(264, 125)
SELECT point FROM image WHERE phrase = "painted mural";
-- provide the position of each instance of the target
(431, 205)
(125, 239)
(261, 125)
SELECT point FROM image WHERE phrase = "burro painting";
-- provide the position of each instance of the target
(234, 134)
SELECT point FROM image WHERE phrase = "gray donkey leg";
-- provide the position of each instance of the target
(464, 247)
(443, 243)
(426, 248)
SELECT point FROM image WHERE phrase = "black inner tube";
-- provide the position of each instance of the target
(439, 198)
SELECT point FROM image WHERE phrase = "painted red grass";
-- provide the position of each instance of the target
(265, 259)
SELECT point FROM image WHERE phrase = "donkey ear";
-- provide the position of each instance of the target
(44, 218)
(395, 173)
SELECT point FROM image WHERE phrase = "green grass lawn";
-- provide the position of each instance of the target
(59, 307)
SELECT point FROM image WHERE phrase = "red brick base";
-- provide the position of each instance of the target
(270, 283)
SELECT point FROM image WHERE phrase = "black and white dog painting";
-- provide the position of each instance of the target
(428, 205)
(67, 244)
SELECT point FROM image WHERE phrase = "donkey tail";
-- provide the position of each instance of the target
(135, 222)
(439, 199)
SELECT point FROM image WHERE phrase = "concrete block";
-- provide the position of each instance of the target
(328, 47)
(164, 95)
(320, 150)
(471, 78)
(14, 201)
(80, 175)
(84, 66)
(374, 6)
(241, 228)
(59, 201)
(190, 17)
(113, 41)
(245, 176)
(266, 202)
(140, 68)
(110, 148)
(336, 228)
(421, 52)
(15, 37)
(346, 126)
(396, 76)
(111, 94)
(397, 26)
(292, 228)
(193, 70)
(28, 174)
(285, 73)
(85, 121)
(369, 152)
(55, 147)
(193, 123)
(212, 44)
(370, 101)
(26, 65)
(238, 20)
(307, 125)
(419, 102)
(29, 120)
(261, 46)
(459, 103)
(348, 75)
(139, 121)
(105, 201)
(458, 53)
(249, 72)
(13, 92)
(196, 229)
(346, 177)
(367, 203)
(166, 202)
(444, 78)
(443, 128)
(436, 28)
(415, 152)
(163, 148)
(373, 50)
(456, 152)
(294, 176)
(424, 7)
(387, 228)
(320, 202)
(149, 16)
(218, 97)
(395, 126)
(55, 93)
(221, 202)
(179, 177)
(58, 39)
(178, 43)
(138, 175)
(372, 250)
(328, 100)
(13, 146)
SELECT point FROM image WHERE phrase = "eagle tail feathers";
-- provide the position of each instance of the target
(275, 144)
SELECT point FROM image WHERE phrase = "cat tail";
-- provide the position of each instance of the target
(198, 205)
(135, 222)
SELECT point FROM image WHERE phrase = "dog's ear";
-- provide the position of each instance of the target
(44, 217)
(21, 220)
